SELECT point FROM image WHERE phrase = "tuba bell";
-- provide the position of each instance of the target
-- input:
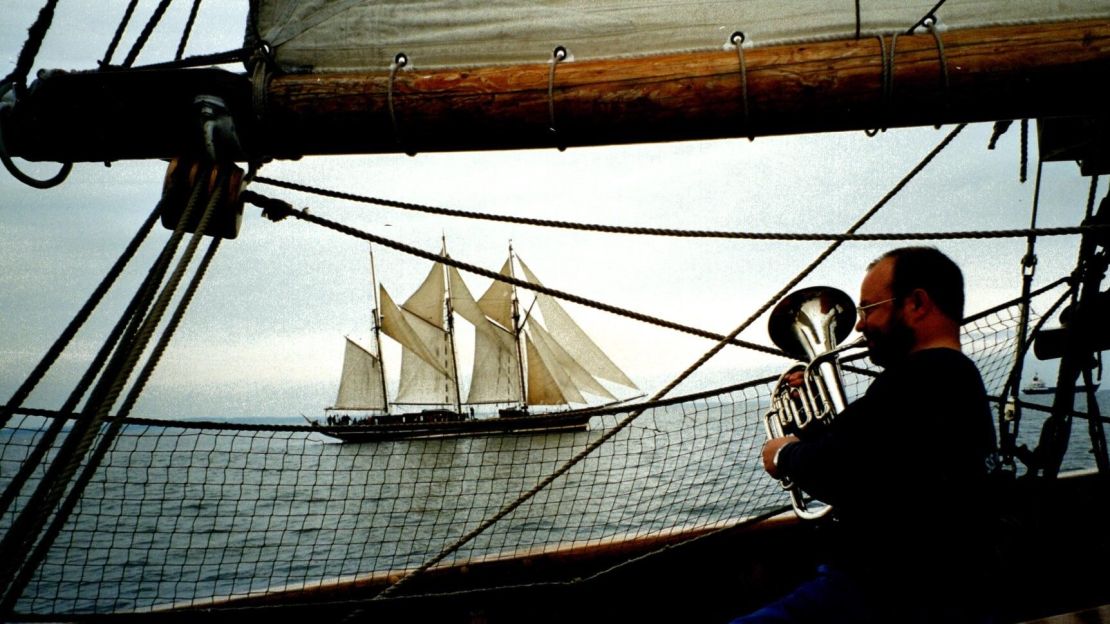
(809, 324)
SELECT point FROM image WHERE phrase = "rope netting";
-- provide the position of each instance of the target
(182, 513)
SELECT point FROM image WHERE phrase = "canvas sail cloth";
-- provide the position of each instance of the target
(495, 376)
(366, 35)
(561, 361)
(360, 386)
(427, 356)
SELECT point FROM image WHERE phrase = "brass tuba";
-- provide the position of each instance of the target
(809, 324)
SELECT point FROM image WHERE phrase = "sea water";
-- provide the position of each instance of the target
(181, 515)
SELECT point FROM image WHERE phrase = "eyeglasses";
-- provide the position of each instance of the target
(864, 308)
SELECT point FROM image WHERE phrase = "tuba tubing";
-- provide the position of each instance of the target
(809, 324)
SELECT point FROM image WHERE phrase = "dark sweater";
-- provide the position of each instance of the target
(905, 467)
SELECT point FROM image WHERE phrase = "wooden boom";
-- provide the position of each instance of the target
(1047, 70)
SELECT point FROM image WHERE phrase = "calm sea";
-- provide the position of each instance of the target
(177, 515)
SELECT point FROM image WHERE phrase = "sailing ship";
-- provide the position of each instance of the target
(1038, 386)
(327, 77)
(518, 363)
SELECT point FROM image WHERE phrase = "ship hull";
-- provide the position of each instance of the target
(449, 424)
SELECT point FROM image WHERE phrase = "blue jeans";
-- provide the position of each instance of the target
(832, 597)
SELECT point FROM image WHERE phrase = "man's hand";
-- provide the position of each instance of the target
(770, 449)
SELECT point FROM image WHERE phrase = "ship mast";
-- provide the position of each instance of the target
(450, 312)
(377, 325)
(518, 331)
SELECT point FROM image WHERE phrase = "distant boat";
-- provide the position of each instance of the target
(1038, 386)
(519, 363)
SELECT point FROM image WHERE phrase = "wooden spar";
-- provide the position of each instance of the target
(1037, 71)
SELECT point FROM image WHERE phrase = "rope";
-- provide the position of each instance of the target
(932, 14)
(238, 55)
(151, 24)
(30, 50)
(64, 415)
(277, 208)
(188, 29)
(737, 39)
(1016, 300)
(124, 21)
(558, 55)
(79, 319)
(670, 232)
(45, 443)
(6, 104)
(108, 438)
(931, 24)
(1028, 269)
(20, 537)
(399, 62)
(1022, 176)
(620, 426)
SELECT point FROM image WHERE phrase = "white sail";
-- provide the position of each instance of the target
(497, 301)
(562, 363)
(421, 382)
(495, 376)
(566, 370)
(570, 336)
(496, 373)
(427, 301)
(366, 35)
(543, 388)
(360, 386)
(396, 325)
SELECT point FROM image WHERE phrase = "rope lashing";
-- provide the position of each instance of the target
(558, 55)
(737, 39)
(400, 61)
(9, 91)
(930, 23)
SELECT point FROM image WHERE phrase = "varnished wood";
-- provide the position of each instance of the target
(1047, 70)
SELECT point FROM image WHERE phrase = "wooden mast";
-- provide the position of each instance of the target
(1013, 72)
(378, 331)
(518, 334)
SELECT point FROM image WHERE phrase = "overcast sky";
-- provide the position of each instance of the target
(264, 336)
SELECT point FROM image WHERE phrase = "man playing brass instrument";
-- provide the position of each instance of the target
(904, 467)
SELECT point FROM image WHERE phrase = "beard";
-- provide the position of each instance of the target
(891, 344)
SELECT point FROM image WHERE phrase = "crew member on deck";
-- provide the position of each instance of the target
(905, 466)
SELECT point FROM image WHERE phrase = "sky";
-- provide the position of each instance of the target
(264, 335)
